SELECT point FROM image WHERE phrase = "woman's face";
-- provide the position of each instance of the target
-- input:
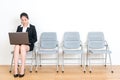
(24, 20)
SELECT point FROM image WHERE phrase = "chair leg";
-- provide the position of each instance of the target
(57, 67)
(40, 55)
(81, 57)
(84, 69)
(37, 56)
(57, 62)
(35, 59)
(105, 59)
(111, 63)
(62, 62)
(11, 64)
(87, 59)
(83, 63)
(90, 68)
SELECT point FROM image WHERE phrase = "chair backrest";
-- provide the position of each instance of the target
(71, 40)
(48, 40)
(95, 36)
(96, 40)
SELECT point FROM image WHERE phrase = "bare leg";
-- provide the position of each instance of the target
(16, 56)
(24, 49)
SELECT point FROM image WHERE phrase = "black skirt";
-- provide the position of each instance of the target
(31, 47)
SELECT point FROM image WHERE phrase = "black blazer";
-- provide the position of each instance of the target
(31, 34)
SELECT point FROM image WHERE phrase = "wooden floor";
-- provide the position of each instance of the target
(71, 73)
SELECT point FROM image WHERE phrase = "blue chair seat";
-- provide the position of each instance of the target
(99, 51)
(72, 51)
(47, 51)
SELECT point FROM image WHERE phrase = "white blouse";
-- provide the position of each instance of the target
(25, 28)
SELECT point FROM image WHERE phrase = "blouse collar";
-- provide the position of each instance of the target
(27, 25)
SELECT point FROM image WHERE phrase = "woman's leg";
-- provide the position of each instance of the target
(24, 49)
(16, 56)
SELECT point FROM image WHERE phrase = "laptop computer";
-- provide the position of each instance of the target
(18, 38)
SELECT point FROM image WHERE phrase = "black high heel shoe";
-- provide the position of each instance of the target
(21, 75)
(16, 75)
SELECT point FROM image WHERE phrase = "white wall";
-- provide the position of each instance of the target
(61, 16)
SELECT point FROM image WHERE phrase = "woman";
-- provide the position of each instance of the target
(22, 49)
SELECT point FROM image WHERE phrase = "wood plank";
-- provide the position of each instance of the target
(71, 73)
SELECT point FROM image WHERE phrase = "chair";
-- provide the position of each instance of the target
(31, 55)
(96, 45)
(71, 46)
(48, 46)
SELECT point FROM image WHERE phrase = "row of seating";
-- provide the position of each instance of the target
(71, 45)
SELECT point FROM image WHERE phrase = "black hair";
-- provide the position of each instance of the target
(24, 14)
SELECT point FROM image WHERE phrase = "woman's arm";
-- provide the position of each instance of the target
(33, 36)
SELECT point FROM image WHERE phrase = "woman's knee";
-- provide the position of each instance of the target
(22, 47)
(25, 47)
(17, 47)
